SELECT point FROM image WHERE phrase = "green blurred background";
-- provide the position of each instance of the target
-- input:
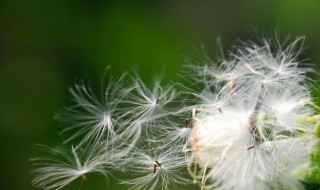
(45, 46)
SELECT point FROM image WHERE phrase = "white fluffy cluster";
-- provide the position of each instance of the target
(249, 127)
(252, 135)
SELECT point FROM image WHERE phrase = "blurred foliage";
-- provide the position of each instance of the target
(309, 172)
(46, 45)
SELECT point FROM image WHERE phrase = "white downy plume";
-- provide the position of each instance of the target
(156, 169)
(63, 166)
(95, 118)
(146, 109)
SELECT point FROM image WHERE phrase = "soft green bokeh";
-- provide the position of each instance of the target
(45, 46)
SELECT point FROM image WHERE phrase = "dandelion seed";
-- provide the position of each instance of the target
(175, 135)
(145, 104)
(92, 118)
(169, 164)
(145, 110)
(56, 172)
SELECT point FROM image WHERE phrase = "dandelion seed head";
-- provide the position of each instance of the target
(247, 122)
